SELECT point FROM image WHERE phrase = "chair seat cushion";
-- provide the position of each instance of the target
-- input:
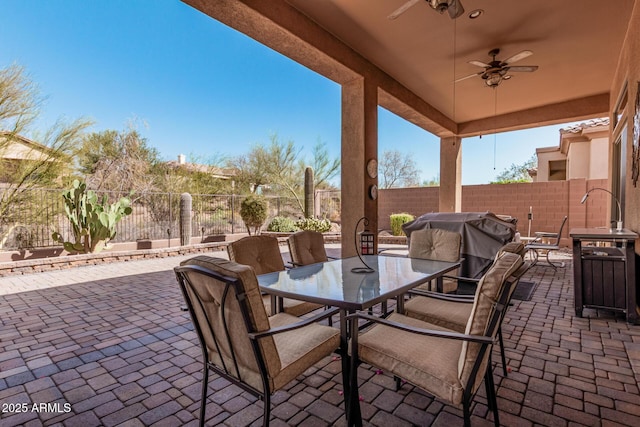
(447, 314)
(291, 306)
(430, 363)
(449, 286)
(300, 348)
(299, 308)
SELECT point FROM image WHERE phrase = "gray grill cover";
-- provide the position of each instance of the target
(483, 233)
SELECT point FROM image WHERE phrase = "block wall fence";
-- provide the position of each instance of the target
(549, 201)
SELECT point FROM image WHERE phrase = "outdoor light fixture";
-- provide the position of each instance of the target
(476, 13)
(619, 221)
(366, 246)
(494, 79)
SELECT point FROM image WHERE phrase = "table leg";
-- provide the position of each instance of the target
(351, 403)
(400, 304)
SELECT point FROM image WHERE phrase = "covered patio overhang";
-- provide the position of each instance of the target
(586, 51)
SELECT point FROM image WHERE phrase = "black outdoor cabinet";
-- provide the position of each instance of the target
(604, 270)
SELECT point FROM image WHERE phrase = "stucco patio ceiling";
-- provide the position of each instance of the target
(575, 43)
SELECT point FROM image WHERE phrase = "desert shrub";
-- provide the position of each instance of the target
(314, 224)
(281, 224)
(397, 220)
(253, 211)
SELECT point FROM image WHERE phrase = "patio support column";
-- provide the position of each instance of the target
(450, 174)
(359, 144)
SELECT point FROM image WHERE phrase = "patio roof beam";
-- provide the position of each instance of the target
(575, 110)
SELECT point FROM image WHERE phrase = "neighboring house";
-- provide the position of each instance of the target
(583, 152)
(16, 150)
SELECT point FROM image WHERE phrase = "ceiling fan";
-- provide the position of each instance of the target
(496, 71)
(454, 7)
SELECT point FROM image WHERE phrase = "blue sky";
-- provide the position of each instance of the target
(201, 88)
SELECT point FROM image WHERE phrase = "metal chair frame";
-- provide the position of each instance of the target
(231, 287)
(486, 342)
(538, 245)
(512, 283)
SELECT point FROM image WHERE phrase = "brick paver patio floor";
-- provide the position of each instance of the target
(109, 345)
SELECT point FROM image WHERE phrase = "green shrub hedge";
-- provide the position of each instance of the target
(314, 224)
(397, 220)
(281, 224)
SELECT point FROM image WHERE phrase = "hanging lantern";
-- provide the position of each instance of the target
(367, 246)
(367, 243)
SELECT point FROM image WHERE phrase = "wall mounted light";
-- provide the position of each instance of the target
(619, 221)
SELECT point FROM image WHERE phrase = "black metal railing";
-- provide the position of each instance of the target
(33, 216)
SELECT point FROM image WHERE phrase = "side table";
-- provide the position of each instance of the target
(604, 270)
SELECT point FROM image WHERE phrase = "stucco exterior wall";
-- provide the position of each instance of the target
(544, 157)
(578, 160)
(628, 72)
(599, 159)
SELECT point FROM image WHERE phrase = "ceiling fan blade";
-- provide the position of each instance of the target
(517, 57)
(468, 77)
(402, 9)
(523, 68)
(479, 64)
(455, 9)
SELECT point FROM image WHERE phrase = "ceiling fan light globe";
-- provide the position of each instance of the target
(440, 5)
(494, 79)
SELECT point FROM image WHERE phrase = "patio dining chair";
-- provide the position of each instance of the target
(439, 245)
(446, 364)
(307, 247)
(547, 242)
(239, 342)
(262, 253)
(453, 311)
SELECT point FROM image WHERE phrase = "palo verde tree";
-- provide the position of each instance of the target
(44, 156)
(281, 167)
(119, 161)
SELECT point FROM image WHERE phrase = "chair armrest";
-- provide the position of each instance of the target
(292, 264)
(399, 252)
(545, 234)
(304, 322)
(463, 278)
(420, 331)
(443, 297)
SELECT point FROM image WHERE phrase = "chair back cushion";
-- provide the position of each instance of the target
(307, 247)
(489, 291)
(435, 244)
(223, 321)
(260, 252)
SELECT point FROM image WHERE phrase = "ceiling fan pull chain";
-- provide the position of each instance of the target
(495, 125)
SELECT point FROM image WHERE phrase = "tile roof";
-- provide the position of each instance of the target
(576, 128)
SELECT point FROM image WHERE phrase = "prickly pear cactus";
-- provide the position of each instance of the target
(93, 221)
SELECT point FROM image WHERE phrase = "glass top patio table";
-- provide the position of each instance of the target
(333, 282)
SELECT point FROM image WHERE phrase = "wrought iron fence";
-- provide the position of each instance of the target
(37, 213)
